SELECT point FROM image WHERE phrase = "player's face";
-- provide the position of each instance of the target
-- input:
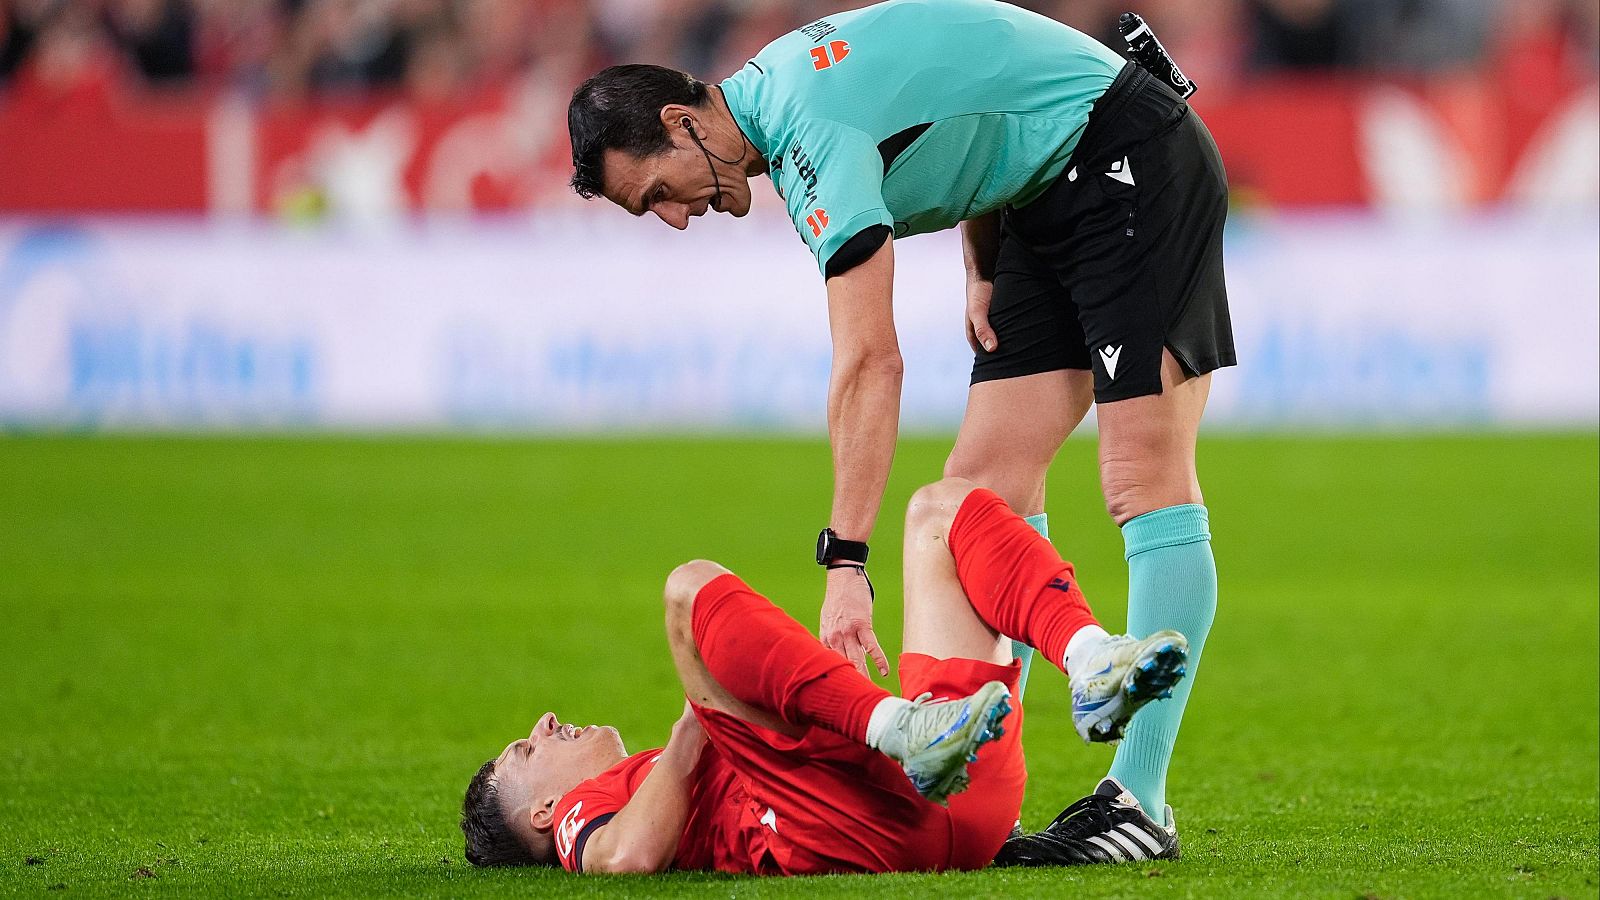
(553, 759)
(676, 185)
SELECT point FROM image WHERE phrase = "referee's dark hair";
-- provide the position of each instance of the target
(620, 109)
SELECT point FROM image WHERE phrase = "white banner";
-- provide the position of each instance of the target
(595, 320)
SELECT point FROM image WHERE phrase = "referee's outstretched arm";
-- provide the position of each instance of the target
(863, 425)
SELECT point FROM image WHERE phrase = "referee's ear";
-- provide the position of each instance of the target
(679, 119)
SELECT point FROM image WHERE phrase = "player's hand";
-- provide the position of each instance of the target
(979, 335)
(847, 620)
(688, 730)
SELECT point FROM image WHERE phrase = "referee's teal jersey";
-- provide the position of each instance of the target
(917, 114)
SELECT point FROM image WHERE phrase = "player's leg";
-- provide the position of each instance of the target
(699, 685)
(946, 616)
(1016, 582)
(739, 654)
(757, 663)
(1027, 395)
(949, 649)
(939, 620)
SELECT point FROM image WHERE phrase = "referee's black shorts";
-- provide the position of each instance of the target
(1121, 256)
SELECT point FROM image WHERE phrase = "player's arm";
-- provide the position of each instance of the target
(643, 836)
(980, 250)
(863, 424)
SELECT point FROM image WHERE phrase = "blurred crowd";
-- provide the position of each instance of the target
(440, 48)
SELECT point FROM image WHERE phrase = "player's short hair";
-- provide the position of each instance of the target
(620, 109)
(490, 840)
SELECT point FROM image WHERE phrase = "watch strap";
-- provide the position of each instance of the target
(831, 547)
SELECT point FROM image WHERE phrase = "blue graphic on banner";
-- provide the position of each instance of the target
(197, 370)
(1301, 372)
(591, 378)
(120, 360)
(743, 378)
(174, 324)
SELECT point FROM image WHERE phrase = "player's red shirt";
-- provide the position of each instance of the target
(723, 832)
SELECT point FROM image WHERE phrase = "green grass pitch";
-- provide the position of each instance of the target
(268, 667)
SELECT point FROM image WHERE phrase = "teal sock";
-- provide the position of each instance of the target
(1172, 583)
(1041, 524)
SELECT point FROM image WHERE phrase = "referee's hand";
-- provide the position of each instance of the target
(979, 335)
(847, 620)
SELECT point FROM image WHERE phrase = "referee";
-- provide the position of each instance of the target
(1091, 201)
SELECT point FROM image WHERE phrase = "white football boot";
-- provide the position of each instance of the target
(1121, 675)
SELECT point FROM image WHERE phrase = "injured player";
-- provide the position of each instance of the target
(788, 762)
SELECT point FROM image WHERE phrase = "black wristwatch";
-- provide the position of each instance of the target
(831, 547)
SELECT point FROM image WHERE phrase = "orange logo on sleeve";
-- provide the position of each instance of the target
(823, 57)
(818, 220)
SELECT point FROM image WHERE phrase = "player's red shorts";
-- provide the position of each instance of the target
(835, 805)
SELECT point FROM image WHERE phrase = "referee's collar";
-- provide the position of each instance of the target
(742, 92)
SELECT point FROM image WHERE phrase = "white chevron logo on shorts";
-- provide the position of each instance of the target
(1109, 355)
(1122, 172)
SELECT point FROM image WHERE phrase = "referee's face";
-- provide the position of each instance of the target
(677, 185)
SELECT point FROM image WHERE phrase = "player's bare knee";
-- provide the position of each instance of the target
(685, 582)
(933, 507)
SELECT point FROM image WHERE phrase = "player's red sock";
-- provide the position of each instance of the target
(1015, 579)
(770, 661)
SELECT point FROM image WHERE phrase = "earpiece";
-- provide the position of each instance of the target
(688, 125)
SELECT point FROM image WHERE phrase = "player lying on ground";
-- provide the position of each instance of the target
(788, 761)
